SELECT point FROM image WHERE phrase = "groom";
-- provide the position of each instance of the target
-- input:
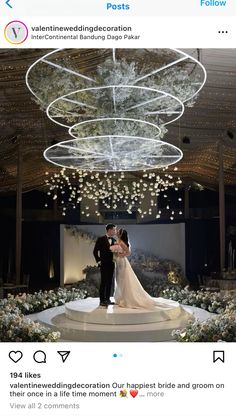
(104, 259)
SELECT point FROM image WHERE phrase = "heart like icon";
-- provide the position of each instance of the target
(15, 356)
(133, 393)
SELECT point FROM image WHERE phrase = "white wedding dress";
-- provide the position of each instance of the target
(129, 292)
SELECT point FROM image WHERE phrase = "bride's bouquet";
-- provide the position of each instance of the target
(116, 249)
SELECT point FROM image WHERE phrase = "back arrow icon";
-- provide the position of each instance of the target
(8, 4)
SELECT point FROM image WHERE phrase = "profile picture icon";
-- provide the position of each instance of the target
(16, 32)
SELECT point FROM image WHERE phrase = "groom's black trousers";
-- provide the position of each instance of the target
(107, 273)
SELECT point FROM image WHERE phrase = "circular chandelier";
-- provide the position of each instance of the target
(169, 70)
(150, 86)
(124, 100)
(115, 126)
(113, 153)
(116, 105)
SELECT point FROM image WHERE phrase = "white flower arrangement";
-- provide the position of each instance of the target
(220, 328)
(214, 302)
(147, 262)
(86, 235)
(15, 327)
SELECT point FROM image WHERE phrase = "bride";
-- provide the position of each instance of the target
(129, 292)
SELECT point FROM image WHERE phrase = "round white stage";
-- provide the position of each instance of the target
(89, 311)
(85, 321)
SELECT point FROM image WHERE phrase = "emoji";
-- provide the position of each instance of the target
(123, 393)
(133, 393)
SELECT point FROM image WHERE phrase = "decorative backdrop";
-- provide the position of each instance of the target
(156, 249)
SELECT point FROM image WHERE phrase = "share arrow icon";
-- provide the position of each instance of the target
(64, 355)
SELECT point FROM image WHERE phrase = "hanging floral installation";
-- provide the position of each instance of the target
(174, 72)
(117, 114)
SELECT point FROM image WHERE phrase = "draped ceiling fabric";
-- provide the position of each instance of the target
(211, 120)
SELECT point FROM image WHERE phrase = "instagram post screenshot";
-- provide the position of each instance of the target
(117, 209)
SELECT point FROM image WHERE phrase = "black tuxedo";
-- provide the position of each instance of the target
(103, 254)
